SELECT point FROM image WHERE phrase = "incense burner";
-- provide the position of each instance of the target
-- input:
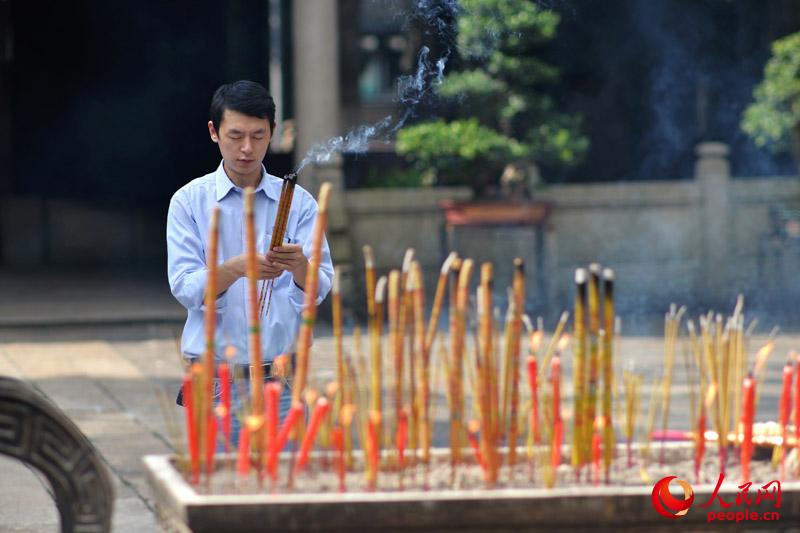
(182, 507)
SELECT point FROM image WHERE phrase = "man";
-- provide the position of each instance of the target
(241, 124)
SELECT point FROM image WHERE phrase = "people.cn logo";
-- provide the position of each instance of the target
(668, 505)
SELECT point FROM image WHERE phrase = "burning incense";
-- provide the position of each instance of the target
(278, 233)
(317, 416)
(256, 370)
(578, 372)
(607, 362)
(783, 411)
(310, 303)
(748, 402)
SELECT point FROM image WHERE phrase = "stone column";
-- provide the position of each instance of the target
(712, 173)
(317, 105)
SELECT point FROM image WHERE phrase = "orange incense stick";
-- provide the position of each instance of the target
(311, 285)
(206, 407)
(456, 378)
(518, 294)
(418, 302)
(256, 370)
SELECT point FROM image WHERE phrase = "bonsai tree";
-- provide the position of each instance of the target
(773, 119)
(499, 113)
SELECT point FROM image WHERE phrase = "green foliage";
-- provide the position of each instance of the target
(449, 152)
(771, 119)
(502, 114)
(391, 178)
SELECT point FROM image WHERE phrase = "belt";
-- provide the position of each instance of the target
(246, 370)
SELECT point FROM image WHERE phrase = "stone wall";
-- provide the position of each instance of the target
(698, 242)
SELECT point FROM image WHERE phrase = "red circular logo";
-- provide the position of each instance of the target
(668, 505)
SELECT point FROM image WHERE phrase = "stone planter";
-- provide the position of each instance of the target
(599, 508)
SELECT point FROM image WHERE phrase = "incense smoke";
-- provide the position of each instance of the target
(438, 15)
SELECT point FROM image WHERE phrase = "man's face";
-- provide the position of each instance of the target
(243, 141)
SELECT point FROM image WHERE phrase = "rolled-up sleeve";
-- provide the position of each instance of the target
(186, 268)
(304, 235)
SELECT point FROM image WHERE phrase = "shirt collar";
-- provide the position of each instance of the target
(269, 185)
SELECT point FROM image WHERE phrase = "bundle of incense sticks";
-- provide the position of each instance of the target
(719, 359)
(672, 323)
(278, 233)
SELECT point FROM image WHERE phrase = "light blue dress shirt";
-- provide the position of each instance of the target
(188, 223)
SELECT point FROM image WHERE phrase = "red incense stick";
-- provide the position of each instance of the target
(224, 374)
(294, 416)
(472, 435)
(191, 433)
(534, 386)
(317, 416)
(783, 410)
(243, 455)
(337, 439)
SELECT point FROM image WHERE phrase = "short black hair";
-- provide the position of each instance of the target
(246, 97)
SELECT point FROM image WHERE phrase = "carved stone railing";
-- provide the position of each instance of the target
(38, 433)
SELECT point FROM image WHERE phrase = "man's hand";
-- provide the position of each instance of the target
(290, 257)
(236, 267)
